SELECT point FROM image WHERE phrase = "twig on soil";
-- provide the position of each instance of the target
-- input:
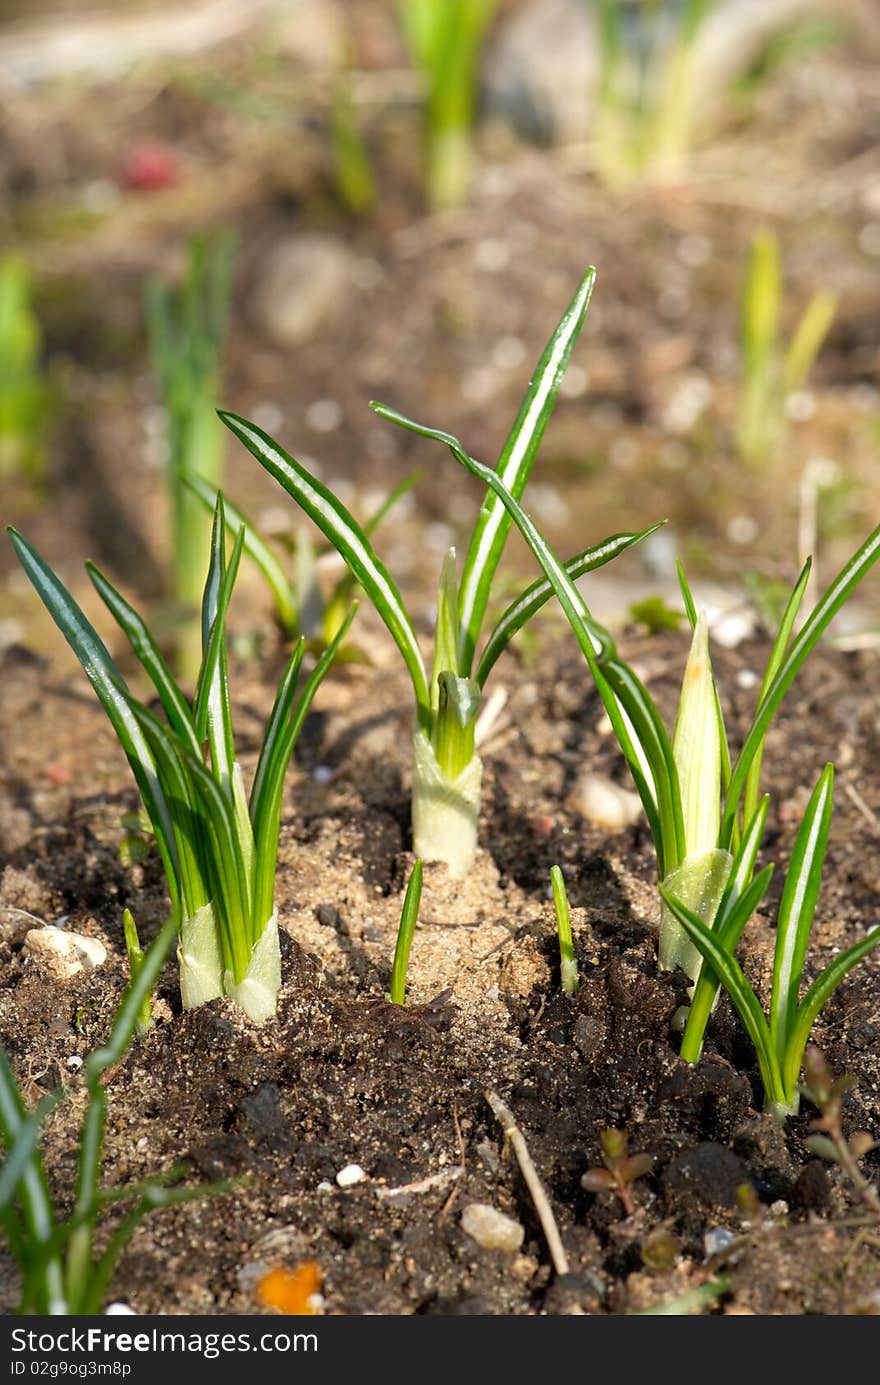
(514, 1135)
(459, 1140)
(422, 1185)
(867, 813)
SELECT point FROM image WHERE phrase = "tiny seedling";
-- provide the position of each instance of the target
(218, 848)
(780, 1041)
(186, 329)
(61, 1270)
(695, 797)
(568, 966)
(135, 954)
(445, 38)
(409, 917)
(300, 606)
(24, 394)
(621, 1170)
(771, 371)
(826, 1092)
(447, 771)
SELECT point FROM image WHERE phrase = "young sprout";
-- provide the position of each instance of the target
(447, 770)
(24, 395)
(621, 1169)
(408, 919)
(300, 607)
(826, 1092)
(61, 1270)
(445, 38)
(186, 330)
(780, 1041)
(135, 955)
(568, 966)
(772, 372)
(218, 847)
(638, 726)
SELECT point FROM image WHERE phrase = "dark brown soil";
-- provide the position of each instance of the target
(343, 1077)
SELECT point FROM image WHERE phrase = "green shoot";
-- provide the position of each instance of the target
(568, 966)
(646, 113)
(649, 752)
(445, 38)
(780, 1041)
(135, 955)
(351, 161)
(447, 768)
(186, 329)
(621, 1169)
(300, 607)
(218, 847)
(61, 1269)
(408, 919)
(24, 395)
(771, 372)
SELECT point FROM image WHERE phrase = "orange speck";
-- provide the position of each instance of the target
(291, 1291)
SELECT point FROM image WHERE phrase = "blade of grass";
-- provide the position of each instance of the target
(796, 909)
(409, 917)
(514, 466)
(539, 593)
(811, 632)
(821, 990)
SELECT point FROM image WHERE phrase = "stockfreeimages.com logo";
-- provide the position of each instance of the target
(93, 1341)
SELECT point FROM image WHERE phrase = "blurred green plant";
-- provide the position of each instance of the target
(409, 917)
(353, 169)
(300, 606)
(770, 370)
(186, 326)
(25, 398)
(645, 98)
(445, 38)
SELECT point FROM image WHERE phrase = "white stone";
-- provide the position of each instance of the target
(606, 804)
(350, 1175)
(491, 1229)
(63, 954)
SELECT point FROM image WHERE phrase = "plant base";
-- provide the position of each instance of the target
(444, 812)
(699, 883)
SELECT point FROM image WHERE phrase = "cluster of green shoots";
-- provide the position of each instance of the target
(24, 393)
(773, 371)
(186, 327)
(218, 845)
(704, 807)
(445, 38)
(62, 1271)
(447, 770)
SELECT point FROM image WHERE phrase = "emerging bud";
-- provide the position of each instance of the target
(697, 747)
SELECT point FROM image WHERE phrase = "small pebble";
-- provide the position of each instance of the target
(491, 1229)
(606, 804)
(716, 1240)
(322, 774)
(62, 954)
(350, 1175)
(119, 1310)
(325, 1187)
(747, 678)
(75, 1062)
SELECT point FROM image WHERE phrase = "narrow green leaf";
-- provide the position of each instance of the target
(409, 917)
(446, 628)
(195, 885)
(740, 992)
(774, 663)
(22, 1148)
(796, 909)
(275, 727)
(267, 815)
(568, 968)
(145, 648)
(841, 588)
(539, 593)
(514, 466)
(346, 535)
(819, 993)
(115, 698)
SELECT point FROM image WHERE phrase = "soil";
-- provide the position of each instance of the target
(443, 318)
